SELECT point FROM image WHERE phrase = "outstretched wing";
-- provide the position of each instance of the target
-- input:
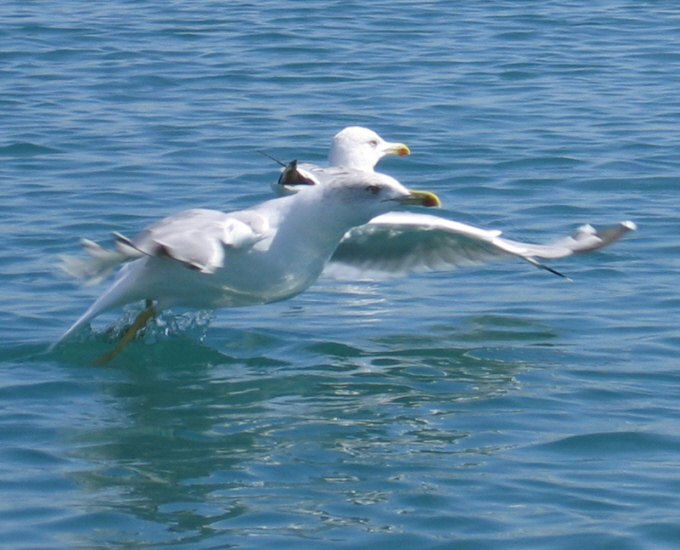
(399, 242)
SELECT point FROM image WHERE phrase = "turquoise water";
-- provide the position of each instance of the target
(490, 407)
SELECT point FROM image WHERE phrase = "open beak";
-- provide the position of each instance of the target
(420, 198)
(398, 149)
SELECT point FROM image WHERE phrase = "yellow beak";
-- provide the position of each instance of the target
(398, 149)
(421, 198)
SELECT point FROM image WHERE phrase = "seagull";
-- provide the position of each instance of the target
(208, 259)
(400, 242)
(354, 147)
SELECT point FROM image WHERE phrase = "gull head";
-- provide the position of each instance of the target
(361, 149)
(354, 197)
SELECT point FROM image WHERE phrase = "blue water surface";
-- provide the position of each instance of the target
(489, 407)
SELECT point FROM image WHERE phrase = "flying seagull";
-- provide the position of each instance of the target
(208, 259)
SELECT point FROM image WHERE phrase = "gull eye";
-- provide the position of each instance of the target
(373, 143)
(373, 189)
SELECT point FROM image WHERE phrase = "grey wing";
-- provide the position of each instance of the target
(197, 238)
(400, 242)
(585, 239)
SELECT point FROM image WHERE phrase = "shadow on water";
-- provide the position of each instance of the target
(293, 438)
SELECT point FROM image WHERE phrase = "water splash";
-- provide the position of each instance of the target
(164, 326)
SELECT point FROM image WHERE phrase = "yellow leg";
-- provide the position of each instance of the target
(130, 333)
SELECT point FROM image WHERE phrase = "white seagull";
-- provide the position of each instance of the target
(399, 242)
(209, 259)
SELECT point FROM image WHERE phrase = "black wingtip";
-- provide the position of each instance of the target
(539, 265)
(292, 176)
(272, 158)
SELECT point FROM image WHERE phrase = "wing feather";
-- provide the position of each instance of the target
(197, 238)
(400, 242)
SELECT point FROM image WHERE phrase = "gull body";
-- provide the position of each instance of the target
(270, 252)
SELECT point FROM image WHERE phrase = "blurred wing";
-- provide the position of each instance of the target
(399, 242)
(99, 263)
(197, 238)
(585, 239)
